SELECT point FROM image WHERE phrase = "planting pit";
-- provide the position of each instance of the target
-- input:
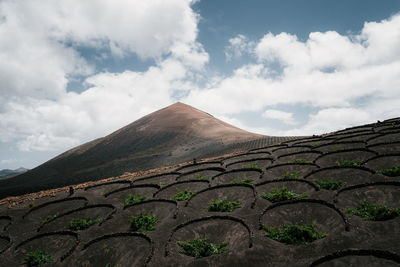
(133, 249)
(332, 159)
(241, 174)
(350, 175)
(304, 212)
(172, 190)
(62, 222)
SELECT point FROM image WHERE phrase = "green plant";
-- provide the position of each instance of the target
(50, 217)
(330, 184)
(202, 178)
(252, 166)
(161, 183)
(300, 161)
(337, 149)
(37, 258)
(290, 175)
(294, 234)
(344, 162)
(243, 181)
(372, 212)
(143, 222)
(183, 195)
(282, 194)
(81, 224)
(200, 248)
(316, 144)
(394, 171)
(223, 205)
(132, 199)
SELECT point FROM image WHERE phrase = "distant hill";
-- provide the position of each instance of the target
(7, 173)
(168, 136)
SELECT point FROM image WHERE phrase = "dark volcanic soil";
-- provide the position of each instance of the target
(349, 240)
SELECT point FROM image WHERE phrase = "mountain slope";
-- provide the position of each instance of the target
(173, 134)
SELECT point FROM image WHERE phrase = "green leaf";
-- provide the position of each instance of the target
(202, 178)
(294, 234)
(344, 162)
(37, 258)
(290, 175)
(132, 199)
(300, 161)
(200, 248)
(252, 166)
(81, 224)
(223, 205)
(183, 195)
(282, 194)
(243, 181)
(330, 184)
(394, 171)
(372, 212)
(143, 222)
(50, 217)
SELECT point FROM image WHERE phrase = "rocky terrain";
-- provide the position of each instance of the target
(331, 200)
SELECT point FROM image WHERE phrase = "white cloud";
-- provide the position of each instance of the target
(192, 55)
(327, 72)
(238, 46)
(38, 39)
(285, 117)
(262, 129)
(45, 142)
(148, 28)
(333, 119)
(377, 43)
(33, 66)
(324, 121)
(283, 48)
(382, 40)
(7, 161)
(111, 101)
(39, 43)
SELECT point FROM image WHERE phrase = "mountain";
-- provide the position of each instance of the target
(7, 173)
(168, 136)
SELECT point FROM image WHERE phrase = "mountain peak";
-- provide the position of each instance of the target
(182, 107)
(186, 120)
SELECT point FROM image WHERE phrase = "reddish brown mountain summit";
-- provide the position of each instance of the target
(180, 123)
(189, 121)
(168, 136)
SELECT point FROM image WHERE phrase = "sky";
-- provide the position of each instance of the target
(72, 71)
